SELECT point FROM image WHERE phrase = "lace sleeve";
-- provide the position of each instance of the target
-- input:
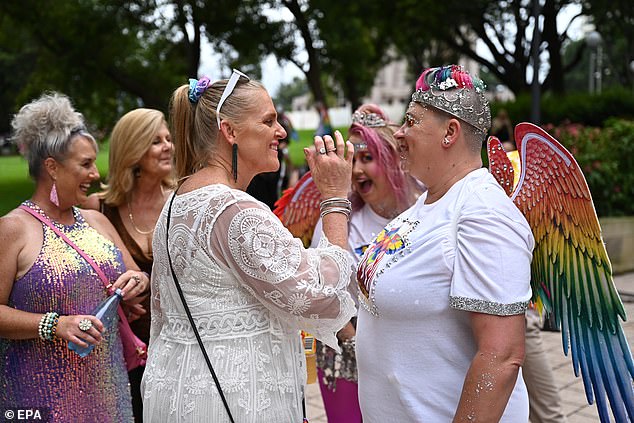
(304, 287)
(156, 315)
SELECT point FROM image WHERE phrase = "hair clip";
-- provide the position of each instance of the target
(197, 87)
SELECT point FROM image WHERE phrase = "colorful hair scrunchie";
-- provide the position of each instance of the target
(197, 88)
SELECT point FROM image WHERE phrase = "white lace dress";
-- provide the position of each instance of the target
(250, 287)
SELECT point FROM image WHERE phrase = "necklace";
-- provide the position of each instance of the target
(134, 225)
(136, 228)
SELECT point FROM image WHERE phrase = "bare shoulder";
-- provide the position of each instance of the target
(15, 228)
(12, 239)
(14, 222)
(95, 218)
(92, 202)
(9, 227)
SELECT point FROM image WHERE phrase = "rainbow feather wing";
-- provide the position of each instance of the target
(500, 165)
(571, 273)
(298, 208)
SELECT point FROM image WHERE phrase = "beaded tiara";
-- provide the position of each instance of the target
(453, 90)
(369, 120)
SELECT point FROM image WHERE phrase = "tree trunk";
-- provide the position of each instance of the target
(192, 48)
(555, 80)
(352, 92)
(313, 73)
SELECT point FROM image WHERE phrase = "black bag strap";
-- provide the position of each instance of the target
(189, 314)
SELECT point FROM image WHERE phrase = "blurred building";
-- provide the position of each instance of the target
(392, 91)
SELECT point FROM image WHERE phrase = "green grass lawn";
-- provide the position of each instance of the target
(296, 149)
(16, 185)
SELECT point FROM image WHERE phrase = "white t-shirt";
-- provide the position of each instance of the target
(414, 338)
(364, 225)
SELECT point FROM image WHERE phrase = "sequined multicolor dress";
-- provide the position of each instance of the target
(46, 375)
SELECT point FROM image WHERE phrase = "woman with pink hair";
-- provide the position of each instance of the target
(380, 192)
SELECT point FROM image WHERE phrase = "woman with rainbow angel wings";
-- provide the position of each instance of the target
(571, 275)
(413, 350)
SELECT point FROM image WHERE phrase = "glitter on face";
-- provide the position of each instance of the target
(411, 118)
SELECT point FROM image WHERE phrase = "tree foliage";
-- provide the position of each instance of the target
(504, 28)
(355, 44)
(110, 56)
(107, 57)
(343, 43)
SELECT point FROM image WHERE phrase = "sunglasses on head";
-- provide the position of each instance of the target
(231, 85)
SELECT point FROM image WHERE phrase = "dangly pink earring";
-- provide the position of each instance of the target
(53, 195)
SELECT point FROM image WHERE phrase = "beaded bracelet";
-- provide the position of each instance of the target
(54, 328)
(48, 326)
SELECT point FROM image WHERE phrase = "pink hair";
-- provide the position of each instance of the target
(382, 146)
(434, 76)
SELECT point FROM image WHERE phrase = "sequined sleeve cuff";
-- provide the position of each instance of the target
(488, 307)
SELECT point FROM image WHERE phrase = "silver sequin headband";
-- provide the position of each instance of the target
(369, 120)
(462, 103)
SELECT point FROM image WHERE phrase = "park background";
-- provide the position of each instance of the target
(572, 72)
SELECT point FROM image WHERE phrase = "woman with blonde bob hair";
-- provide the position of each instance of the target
(131, 138)
(139, 180)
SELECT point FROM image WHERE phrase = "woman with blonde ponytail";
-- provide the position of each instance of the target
(248, 287)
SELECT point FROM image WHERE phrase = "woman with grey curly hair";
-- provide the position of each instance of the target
(49, 282)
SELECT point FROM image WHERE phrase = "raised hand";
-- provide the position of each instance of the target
(331, 165)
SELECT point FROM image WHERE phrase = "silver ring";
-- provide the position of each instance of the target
(331, 151)
(322, 150)
(136, 279)
(85, 325)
